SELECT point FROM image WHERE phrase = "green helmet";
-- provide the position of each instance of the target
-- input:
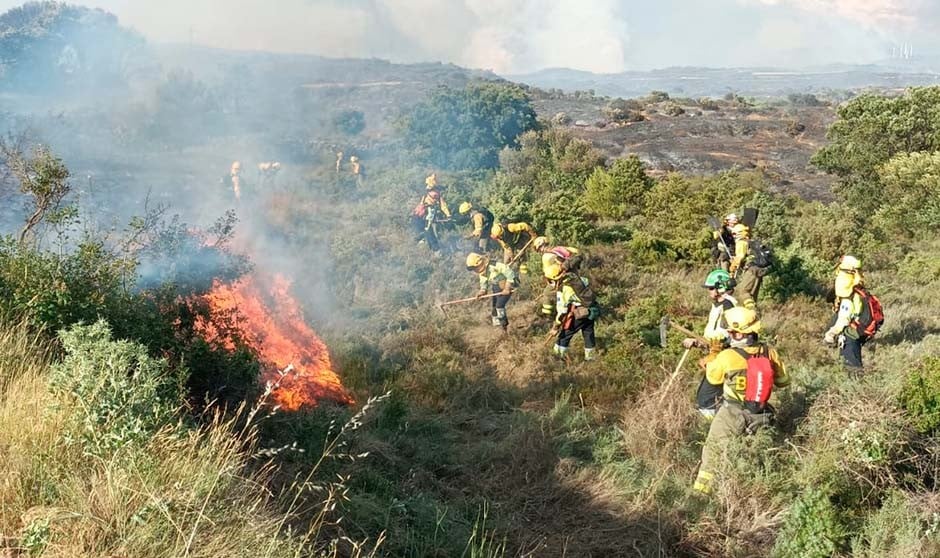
(719, 279)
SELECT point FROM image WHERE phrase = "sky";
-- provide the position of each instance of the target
(520, 36)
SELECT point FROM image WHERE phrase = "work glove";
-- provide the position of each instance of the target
(689, 342)
(506, 292)
(481, 293)
(829, 339)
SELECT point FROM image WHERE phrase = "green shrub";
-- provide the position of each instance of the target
(349, 122)
(920, 397)
(122, 396)
(813, 528)
(618, 192)
(460, 129)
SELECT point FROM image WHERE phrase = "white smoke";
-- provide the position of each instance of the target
(508, 36)
(882, 15)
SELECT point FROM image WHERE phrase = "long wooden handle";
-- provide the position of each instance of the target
(471, 299)
(675, 373)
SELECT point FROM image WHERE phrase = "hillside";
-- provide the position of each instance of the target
(167, 384)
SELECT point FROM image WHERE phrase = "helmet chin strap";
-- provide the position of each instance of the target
(745, 341)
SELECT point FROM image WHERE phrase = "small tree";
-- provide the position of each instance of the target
(42, 176)
(349, 122)
(618, 192)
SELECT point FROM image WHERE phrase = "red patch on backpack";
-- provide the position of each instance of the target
(872, 317)
(759, 379)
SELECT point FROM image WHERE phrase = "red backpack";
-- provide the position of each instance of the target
(758, 379)
(872, 316)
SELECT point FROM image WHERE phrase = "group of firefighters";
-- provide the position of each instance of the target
(740, 369)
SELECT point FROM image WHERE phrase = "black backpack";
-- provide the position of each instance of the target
(761, 255)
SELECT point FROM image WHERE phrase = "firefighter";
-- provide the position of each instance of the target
(496, 277)
(339, 161)
(567, 257)
(512, 238)
(576, 310)
(234, 181)
(358, 171)
(748, 276)
(267, 171)
(482, 220)
(427, 213)
(720, 286)
(724, 242)
(847, 308)
(746, 371)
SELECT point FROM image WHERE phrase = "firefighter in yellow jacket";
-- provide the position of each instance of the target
(512, 237)
(746, 371)
(482, 221)
(496, 277)
(576, 310)
(847, 308)
(568, 257)
(748, 275)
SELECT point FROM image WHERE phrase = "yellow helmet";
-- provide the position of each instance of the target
(236, 166)
(739, 230)
(742, 320)
(849, 264)
(475, 261)
(540, 242)
(552, 270)
(465, 208)
(354, 159)
(496, 231)
(431, 181)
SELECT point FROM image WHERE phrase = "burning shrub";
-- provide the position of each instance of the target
(122, 395)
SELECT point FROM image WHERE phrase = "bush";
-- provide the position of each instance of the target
(920, 397)
(813, 528)
(465, 129)
(618, 192)
(673, 109)
(350, 122)
(121, 395)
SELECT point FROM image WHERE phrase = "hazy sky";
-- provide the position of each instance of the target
(515, 36)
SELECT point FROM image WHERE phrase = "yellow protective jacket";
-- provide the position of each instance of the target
(511, 237)
(497, 274)
(571, 291)
(740, 254)
(437, 198)
(729, 369)
(849, 309)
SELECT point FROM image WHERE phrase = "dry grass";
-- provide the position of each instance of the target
(187, 493)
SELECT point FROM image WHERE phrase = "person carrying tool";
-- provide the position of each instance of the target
(496, 277)
(857, 315)
(358, 171)
(267, 172)
(747, 266)
(567, 257)
(339, 161)
(720, 287)
(747, 371)
(724, 241)
(576, 310)
(513, 238)
(233, 180)
(427, 214)
(482, 220)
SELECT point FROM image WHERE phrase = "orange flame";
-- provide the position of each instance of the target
(277, 333)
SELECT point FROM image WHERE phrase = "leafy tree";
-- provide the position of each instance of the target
(463, 129)
(910, 182)
(42, 176)
(48, 46)
(870, 131)
(349, 122)
(618, 192)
